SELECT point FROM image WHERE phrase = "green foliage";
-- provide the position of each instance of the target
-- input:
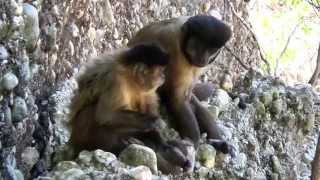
(276, 19)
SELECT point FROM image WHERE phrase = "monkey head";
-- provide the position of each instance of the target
(148, 63)
(202, 38)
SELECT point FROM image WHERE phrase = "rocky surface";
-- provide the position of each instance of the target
(274, 137)
(43, 43)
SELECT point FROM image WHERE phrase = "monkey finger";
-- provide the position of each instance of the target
(132, 140)
(223, 146)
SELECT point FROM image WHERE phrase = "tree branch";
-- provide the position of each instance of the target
(285, 47)
(237, 58)
(316, 72)
(253, 35)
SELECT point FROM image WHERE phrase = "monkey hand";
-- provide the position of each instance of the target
(155, 123)
(179, 152)
(223, 146)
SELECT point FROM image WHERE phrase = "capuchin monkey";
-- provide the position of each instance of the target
(192, 43)
(117, 105)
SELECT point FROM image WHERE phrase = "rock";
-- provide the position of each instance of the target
(66, 165)
(71, 174)
(98, 175)
(25, 72)
(7, 115)
(307, 158)
(20, 110)
(108, 13)
(260, 108)
(309, 123)
(276, 107)
(102, 159)
(215, 14)
(274, 176)
(206, 155)
(266, 98)
(15, 7)
(9, 81)
(239, 164)
(3, 53)
(63, 153)
(19, 174)
(222, 98)
(31, 28)
(85, 158)
(74, 30)
(44, 178)
(203, 172)
(29, 157)
(136, 155)
(276, 166)
(140, 173)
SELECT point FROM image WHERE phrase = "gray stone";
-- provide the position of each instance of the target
(9, 81)
(266, 98)
(7, 115)
(102, 159)
(136, 155)
(44, 178)
(309, 122)
(85, 158)
(20, 110)
(276, 107)
(222, 98)
(274, 176)
(25, 72)
(19, 174)
(66, 165)
(108, 13)
(206, 155)
(3, 53)
(71, 174)
(276, 166)
(140, 173)
(30, 157)
(31, 28)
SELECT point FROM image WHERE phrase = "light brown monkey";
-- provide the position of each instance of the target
(117, 102)
(192, 43)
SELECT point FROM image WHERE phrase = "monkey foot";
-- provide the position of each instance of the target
(223, 146)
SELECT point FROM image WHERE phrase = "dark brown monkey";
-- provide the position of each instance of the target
(117, 102)
(192, 43)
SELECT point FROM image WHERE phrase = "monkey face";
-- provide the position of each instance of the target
(199, 53)
(150, 78)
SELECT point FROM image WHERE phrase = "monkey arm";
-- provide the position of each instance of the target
(129, 119)
(183, 118)
(207, 124)
(205, 119)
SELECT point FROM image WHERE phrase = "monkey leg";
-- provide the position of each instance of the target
(208, 125)
(129, 119)
(183, 117)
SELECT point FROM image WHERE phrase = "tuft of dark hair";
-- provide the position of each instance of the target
(208, 29)
(150, 55)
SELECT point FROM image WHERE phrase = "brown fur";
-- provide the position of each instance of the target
(117, 102)
(189, 117)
